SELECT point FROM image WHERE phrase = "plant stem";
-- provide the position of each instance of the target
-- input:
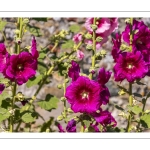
(94, 49)
(130, 103)
(12, 107)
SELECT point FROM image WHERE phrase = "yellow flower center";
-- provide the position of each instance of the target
(20, 66)
(130, 66)
(85, 95)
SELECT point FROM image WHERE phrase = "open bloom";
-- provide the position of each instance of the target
(71, 126)
(84, 95)
(80, 54)
(130, 66)
(2, 87)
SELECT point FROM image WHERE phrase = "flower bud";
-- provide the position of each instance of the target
(99, 39)
(94, 27)
(121, 92)
(25, 21)
(59, 86)
(66, 80)
(17, 31)
(88, 36)
(65, 64)
(20, 96)
(70, 110)
(103, 52)
(96, 65)
(92, 70)
(18, 40)
(147, 111)
(59, 118)
(89, 47)
(63, 99)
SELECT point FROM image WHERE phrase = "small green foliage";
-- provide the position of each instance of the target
(4, 114)
(42, 67)
(34, 30)
(145, 120)
(135, 109)
(28, 117)
(34, 81)
(68, 45)
(87, 123)
(74, 28)
(2, 24)
(49, 103)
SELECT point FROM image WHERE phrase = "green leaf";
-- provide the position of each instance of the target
(42, 55)
(145, 120)
(4, 114)
(137, 95)
(23, 108)
(148, 95)
(69, 44)
(118, 107)
(47, 124)
(87, 123)
(2, 24)
(136, 109)
(74, 28)
(122, 88)
(3, 97)
(34, 30)
(28, 117)
(140, 83)
(42, 67)
(40, 19)
(49, 103)
(34, 81)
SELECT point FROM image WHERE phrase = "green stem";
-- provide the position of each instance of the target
(82, 127)
(130, 103)
(94, 49)
(56, 44)
(12, 107)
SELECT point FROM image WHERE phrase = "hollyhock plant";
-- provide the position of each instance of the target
(71, 126)
(84, 95)
(130, 66)
(2, 87)
(77, 38)
(80, 54)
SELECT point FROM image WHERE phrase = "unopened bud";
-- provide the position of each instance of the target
(59, 118)
(99, 39)
(94, 27)
(59, 86)
(88, 36)
(121, 92)
(66, 80)
(20, 96)
(17, 31)
(63, 99)
(25, 21)
(70, 110)
(89, 47)
(96, 65)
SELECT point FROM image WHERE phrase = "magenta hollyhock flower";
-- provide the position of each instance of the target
(71, 126)
(104, 118)
(21, 67)
(2, 87)
(84, 95)
(105, 25)
(116, 47)
(130, 66)
(3, 57)
(34, 51)
(77, 38)
(103, 76)
(74, 71)
(80, 54)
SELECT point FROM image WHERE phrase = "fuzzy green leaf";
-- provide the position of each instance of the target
(74, 28)
(49, 103)
(2, 24)
(68, 45)
(136, 109)
(4, 114)
(28, 117)
(145, 120)
(34, 30)
(34, 81)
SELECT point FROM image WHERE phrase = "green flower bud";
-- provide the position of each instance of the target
(127, 20)
(88, 36)
(97, 66)
(25, 21)
(99, 39)
(17, 31)
(89, 47)
(63, 99)
(121, 92)
(70, 110)
(66, 80)
(20, 96)
(59, 118)
(76, 118)
(59, 86)
(124, 47)
(94, 27)
(103, 52)
(147, 111)
(65, 64)
(18, 40)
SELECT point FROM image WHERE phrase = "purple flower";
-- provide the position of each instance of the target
(2, 87)
(104, 118)
(74, 71)
(24, 102)
(103, 76)
(84, 95)
(3, 57)
(71, 126)
(116, 47)
(80, 54)
(21, 67)
(130, 66)
(77, 38)
(34, 51)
